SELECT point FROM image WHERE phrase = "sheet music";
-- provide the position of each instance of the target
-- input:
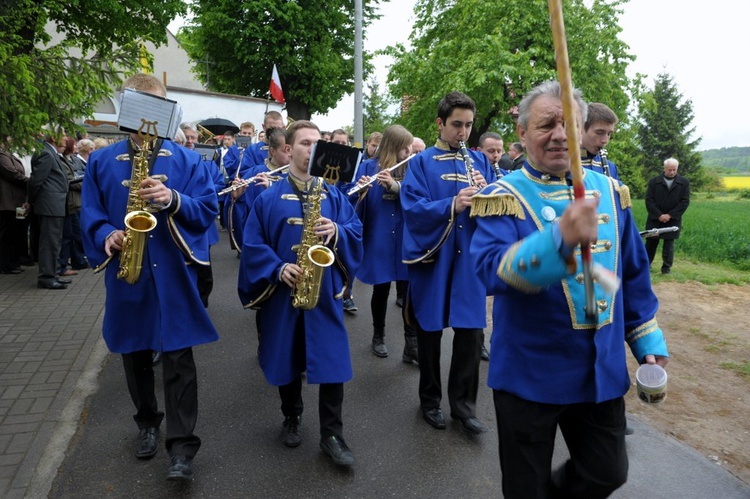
(135, 106)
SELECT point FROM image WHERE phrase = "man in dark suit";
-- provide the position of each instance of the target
(667, 198)
(48, 191)
(515, 152)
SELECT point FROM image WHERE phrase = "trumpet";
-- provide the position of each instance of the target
(245, 183)
(374, 179)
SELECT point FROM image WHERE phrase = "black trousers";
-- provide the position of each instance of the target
(205, 282)
(330, 403)
(180, 396)
(72, 245)
(594, 434)
(379, 305)
(50, 241)
(330, 395)
(463, 377)
(10, 256)
(667, 251)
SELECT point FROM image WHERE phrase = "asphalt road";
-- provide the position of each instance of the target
(398, 454)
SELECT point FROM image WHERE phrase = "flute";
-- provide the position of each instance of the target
(245, 183)
(374, 179)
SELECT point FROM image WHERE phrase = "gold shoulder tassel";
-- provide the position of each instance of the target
(496, 204)
(624, 192)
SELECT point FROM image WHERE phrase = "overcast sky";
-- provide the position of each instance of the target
(702, 45)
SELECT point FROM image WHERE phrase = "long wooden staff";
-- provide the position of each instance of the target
(571, 129)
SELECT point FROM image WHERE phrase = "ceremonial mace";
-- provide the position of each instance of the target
(574, 150)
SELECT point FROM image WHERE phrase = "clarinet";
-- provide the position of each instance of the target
(468, 162)
(605, 163)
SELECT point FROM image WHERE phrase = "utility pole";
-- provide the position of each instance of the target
(358, 119)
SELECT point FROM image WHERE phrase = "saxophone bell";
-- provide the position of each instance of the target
(137, 225)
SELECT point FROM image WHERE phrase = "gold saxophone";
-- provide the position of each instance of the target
(312, 257)
(138, 220)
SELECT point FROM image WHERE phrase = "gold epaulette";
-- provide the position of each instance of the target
(496, 202)
(624, 192)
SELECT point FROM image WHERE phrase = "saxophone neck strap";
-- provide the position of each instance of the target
(132, 151)
(302, 195)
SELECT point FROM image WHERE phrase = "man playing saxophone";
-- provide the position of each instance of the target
(304, 331)
(159, 310)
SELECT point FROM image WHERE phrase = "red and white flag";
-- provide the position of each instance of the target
(276, 92)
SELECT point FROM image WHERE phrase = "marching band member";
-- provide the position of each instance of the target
(162, 310)
(256, 153)
(244, 197)
(444, 289)
(597, 131)
(295, 340)
(550, 364)
(491, 144)
(379, 209)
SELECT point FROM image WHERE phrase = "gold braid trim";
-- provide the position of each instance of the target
(643, 330)
(484, 205)
(624, 192)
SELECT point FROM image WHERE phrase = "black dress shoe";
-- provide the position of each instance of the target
(400, 302)
(51, 285)
(290, 435)
(11, 271)
(336, 448)
(147, 443)
(63, 281)
(473, 426)
(485, 355)
(435, 418)
(180, 468)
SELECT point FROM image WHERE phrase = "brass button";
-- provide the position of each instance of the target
(579, 278)
(602, 304)
(608, 245)
(605, 218)
(535, 261)
(522, 265)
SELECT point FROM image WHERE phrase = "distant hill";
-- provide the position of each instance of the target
(729, 159)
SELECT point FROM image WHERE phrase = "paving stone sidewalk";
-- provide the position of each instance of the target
(50, 353)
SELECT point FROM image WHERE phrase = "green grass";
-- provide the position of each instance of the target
(714, 246)
(742, 368)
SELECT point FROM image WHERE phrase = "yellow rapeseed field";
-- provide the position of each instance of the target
(736, 183)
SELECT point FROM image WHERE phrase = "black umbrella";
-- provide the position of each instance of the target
(218, 126)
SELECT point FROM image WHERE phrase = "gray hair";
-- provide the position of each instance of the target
(179, 137)
(671, 160)
(550, 88)
(85, 146)
(188, 126)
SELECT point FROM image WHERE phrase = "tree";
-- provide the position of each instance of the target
(665, 128)
(44, 83)
(496, 52)
(311, 42)
(375, 110)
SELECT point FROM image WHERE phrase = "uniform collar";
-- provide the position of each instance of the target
(443, 145)
(532, 170)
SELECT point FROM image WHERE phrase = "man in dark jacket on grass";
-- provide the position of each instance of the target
(667, 198)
